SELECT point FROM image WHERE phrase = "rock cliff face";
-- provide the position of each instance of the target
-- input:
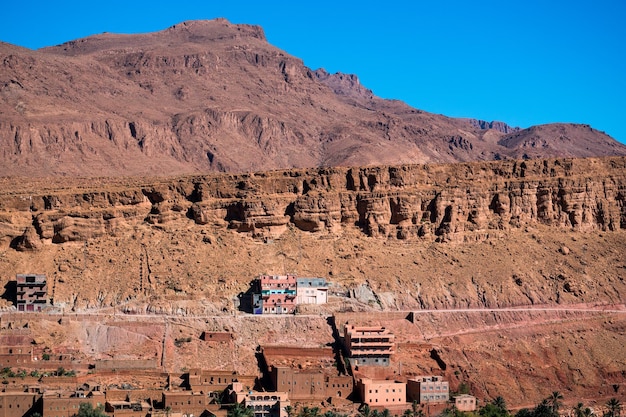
(401, 235)
(461, 202)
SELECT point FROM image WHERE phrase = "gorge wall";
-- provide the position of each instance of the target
(395, 237)
(458, 202)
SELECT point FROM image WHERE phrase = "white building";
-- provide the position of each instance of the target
(311, 291)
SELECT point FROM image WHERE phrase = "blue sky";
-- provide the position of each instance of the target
(522, 62)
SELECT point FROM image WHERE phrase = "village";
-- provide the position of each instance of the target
(353, 371)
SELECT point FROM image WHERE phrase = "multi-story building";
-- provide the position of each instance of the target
(382, 393)
(32, 292)
(311, 291)
(428, 389)
(264, 404)
(274, 294)
(368, 346)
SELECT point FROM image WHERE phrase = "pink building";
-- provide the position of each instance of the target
(275, 294)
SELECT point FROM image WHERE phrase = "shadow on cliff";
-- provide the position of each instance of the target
(10, 292)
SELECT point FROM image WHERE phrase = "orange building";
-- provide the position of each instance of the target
(368, 345)
(382, 393)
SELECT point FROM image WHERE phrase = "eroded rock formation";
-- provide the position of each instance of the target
(432, 202)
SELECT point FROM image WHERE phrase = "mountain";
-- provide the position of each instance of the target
(206, 96)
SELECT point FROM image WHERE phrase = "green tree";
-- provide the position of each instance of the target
(492, 410)
(544, 409)
(524, 412)
(309, 412)
(365, 411)
(239, 410)
(581, 411)
(587, 412)
(555, 402)
(415, 410)
(613, 408)
(500, 403)
(87, 410)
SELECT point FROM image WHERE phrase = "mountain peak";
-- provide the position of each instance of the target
(199, 30)
(187, 32)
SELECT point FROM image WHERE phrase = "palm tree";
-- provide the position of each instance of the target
(365, 411)
(554, 401)
(415, 410)
(579, 410)
(239, 410)
(613, 408)
(588, 413)
(309, 412)
(544, 409)
(500, 403)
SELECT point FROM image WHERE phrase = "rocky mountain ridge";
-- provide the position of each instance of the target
(207, 96)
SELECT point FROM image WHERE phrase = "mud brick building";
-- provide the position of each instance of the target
(206, 380)
(64, 403)
(17, 404)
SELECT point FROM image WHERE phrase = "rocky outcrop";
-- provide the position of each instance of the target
(432, 202)
(495, 125)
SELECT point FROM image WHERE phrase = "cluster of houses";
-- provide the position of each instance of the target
(358, 371)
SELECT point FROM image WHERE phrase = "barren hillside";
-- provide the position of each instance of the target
(206, 96)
